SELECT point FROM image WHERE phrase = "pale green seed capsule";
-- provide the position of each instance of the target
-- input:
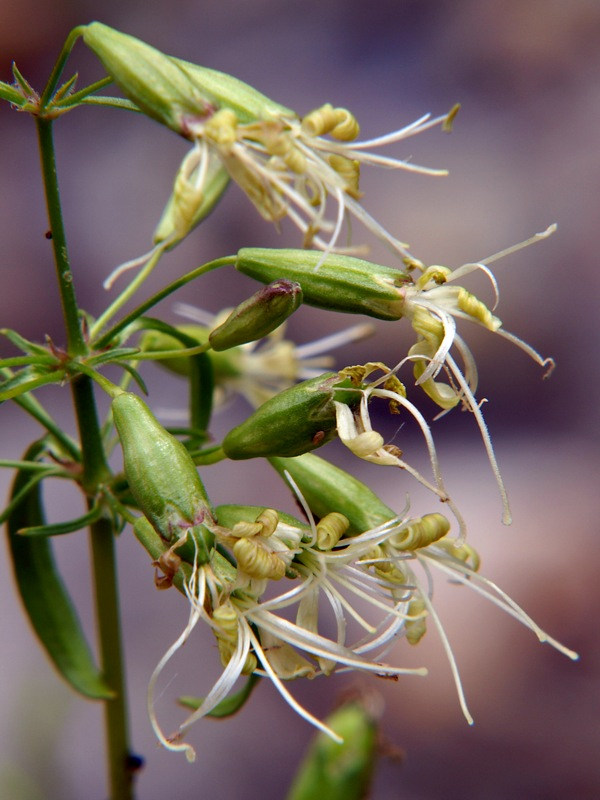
(161, 474)
(258, 316)
(340, 771)
(335, 282)
(293, 422)
(225, 91)
(328, 488)
(171, 90)
(152, 80)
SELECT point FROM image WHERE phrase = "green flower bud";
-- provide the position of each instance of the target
(161, 474)
(293, 422)
(152, 80)
(258, 316)
(169, 89)
(335, 282)
(327, 488)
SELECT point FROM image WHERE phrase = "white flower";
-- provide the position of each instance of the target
(287, 168)
(391, 567)
(432, 303)
(253, 638)
(379, 583)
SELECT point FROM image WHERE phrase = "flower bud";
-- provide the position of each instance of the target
(258, 316)
(152, 80)
(293, 422)
(327, 488)
(161, 474)
(334, 282)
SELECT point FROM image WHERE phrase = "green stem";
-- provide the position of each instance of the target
(106, 337)
(60, 65)
(95, 472)
(75, 342)
(109, 633)
(129, 291)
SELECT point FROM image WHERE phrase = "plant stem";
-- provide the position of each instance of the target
(109, 632)
(60, 65)
(106, 337)
(95, 473)
(75, 342)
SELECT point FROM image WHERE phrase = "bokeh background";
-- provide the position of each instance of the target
(524, 153)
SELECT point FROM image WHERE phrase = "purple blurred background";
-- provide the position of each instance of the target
(523, 154)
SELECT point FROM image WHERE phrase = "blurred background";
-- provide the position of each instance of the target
(524, 153)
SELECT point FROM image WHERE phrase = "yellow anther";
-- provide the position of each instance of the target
(320, 121)
(257, 561)
(468, 303)
(421, 532)
(436, 274)
(462, 552)
(221, 129)
(429, 327)
(269, 519)
(416, 626)
(244, 529)
(339, 122)
(226, 633)
(331, 529)
(347, 127)
(349, 170)
(441, 393)
(449, 121)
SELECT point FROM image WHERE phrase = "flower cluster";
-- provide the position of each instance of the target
(379, 582)
(289, 599)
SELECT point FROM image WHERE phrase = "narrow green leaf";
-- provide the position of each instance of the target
(23, 382)
(25, 361)
(58, 528)
(22, 81)
(229, 705)
(23, 344)
(65, 446)
(113, 355)
(45, 597)
(14, 96)
(65, 88)
(135, 375)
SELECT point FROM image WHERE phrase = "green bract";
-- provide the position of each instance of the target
(293, 422)
(334, 282)
(161, 474)
(258, 316)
